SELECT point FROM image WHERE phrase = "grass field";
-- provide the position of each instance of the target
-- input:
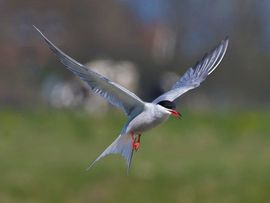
(214, 157)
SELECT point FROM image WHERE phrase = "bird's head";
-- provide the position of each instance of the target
(171, 107)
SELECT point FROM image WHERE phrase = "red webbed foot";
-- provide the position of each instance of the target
(136, 143)
(136, 146)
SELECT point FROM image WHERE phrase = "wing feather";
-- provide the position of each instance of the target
(196, 74)
(112, 92)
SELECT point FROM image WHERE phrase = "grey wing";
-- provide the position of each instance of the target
(195, 75)
(112, 92)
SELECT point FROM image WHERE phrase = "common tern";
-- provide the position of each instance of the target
(142, 116)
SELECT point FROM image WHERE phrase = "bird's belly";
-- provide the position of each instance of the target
(144, 122)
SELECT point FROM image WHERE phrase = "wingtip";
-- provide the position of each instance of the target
(35, 27)
(226, 39)
(226, 42)
(38, 31)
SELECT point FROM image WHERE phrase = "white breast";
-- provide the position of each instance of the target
(151, 116)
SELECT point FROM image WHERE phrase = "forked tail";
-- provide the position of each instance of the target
(121, 145)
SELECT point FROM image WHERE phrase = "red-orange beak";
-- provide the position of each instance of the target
(175, 113)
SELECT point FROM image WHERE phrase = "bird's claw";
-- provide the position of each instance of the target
(136, 146)
(135, 143)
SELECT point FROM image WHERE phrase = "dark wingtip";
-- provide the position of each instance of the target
(226, 39)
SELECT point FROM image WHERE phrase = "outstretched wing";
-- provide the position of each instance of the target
(112, 92)
(195, 75)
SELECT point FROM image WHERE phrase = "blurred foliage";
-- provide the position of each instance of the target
(157, 35)
(205, 157)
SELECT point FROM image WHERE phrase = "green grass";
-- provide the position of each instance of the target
(205, 157)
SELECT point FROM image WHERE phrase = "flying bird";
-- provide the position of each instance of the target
(142, 116)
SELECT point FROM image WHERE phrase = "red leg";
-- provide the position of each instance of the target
(137, 143)
(139, 138)
(133, 139)
(132, 136)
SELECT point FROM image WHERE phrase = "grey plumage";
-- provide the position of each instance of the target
(197, 74)
(112, 92)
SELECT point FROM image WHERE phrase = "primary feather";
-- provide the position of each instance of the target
(197, 74)
(112, 92)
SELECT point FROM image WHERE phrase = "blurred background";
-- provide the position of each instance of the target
(157, 40)
(51, 127)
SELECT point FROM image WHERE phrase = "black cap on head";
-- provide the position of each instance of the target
(167, 104)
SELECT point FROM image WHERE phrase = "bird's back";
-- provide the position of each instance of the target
(151, 116)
